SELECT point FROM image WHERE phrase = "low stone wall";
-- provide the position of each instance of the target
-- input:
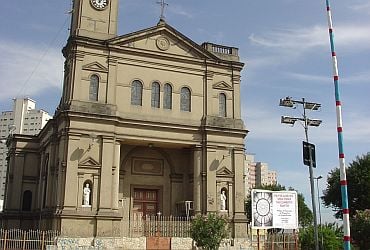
(181, 243)
(107, 243)
(99, 243)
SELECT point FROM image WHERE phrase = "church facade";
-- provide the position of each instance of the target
(147, 121)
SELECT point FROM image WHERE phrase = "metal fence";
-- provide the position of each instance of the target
(276, 241)
(165, 226)
(31, 239)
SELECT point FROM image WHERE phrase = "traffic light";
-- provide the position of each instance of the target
(309, 158)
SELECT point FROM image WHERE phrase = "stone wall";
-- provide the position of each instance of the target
(107, 243)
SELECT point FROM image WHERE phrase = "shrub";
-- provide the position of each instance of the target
(209, 231)
(329, 234)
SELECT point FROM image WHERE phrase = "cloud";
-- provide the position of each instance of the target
(264, 124)
(360, 77)
(307, 77)
(300, 40)
(179, 10)
(28, 70)
(363, 7)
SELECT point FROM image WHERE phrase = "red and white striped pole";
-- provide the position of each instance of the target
(342, 164)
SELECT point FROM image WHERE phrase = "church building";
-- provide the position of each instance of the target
(148, 122)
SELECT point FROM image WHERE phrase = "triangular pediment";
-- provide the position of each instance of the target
(222, 85)
(224, 172)
(161, 39)
(95, 66)
(89, 163)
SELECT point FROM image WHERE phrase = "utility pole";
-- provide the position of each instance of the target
(308, 148)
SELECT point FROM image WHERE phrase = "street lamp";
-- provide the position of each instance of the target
(308, 149)
(319, 204)
(318, 194)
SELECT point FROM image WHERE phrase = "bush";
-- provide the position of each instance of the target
(360, 229)
(329, 234)
(209, 231)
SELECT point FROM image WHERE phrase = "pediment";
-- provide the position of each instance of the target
(95, 66)
(222, 85)
(89, 162)
(161, 39)
(224, 172)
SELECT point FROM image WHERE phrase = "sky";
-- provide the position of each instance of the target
(283, 43)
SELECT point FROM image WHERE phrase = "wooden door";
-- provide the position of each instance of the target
(145, 201)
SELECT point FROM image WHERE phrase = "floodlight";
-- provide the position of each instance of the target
(288, 120)
(313, 122)
(312, 105)
(287, 102)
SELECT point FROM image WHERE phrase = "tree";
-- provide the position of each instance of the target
(358, 176)
(360, 229)
(209, 231)
(305, 216)
(329, 233)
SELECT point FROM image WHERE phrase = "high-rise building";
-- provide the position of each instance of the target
(257, 174)
(24, 118)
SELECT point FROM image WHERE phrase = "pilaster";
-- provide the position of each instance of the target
(197, 180)
(71, 180)
(115, 175)
(112, 79)
(107, 154)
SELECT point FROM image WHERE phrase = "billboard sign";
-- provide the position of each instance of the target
(274, 209)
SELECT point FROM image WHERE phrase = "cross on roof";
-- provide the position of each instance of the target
(163, 5)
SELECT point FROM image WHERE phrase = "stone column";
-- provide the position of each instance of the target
(80, 189)
(236, 95)
(62, 155)
(107, 154)
(76, 81)
(240, 218)
(71, 185)
(210, 194)
(115, 176)
(95, 190)
(197, 180)
(14, 191)
(111, 81)
(208, 94)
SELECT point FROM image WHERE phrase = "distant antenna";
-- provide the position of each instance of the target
(163, 5)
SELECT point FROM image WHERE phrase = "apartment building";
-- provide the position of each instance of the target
(257, 174)
(24, 118)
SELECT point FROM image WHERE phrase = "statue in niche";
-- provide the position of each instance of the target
(223, 199)
(86, 195)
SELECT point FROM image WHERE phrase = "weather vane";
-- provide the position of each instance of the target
(163, 5)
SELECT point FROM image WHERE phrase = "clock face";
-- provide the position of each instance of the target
(263, 209)
(99, 4)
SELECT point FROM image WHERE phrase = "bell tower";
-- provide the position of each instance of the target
(94, 18)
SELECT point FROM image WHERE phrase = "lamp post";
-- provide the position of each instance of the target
(308, 149)
(319, 204)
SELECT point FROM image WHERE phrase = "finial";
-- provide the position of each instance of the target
(163, 5)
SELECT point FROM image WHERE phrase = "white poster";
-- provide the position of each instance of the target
(274, 209)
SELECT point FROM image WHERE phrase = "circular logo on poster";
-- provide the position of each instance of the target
(163, 43)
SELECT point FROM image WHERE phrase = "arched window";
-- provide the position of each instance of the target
(27, 200)
(185, 101)
(155, 94)
(222, 104)
(167, 96)
(136, 93)
(94, 88)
